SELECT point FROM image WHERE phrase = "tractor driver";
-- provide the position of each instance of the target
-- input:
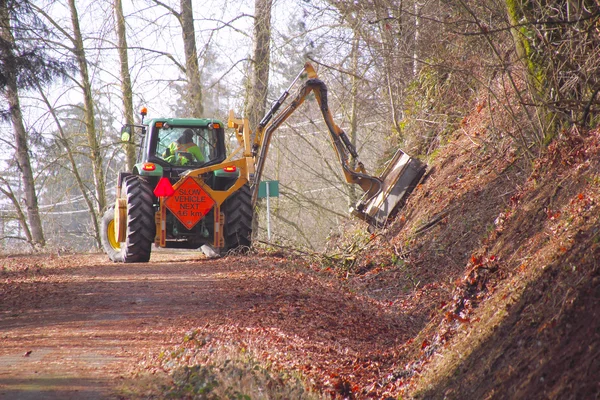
(183, 149)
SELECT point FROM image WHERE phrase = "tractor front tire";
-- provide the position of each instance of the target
(141, 227)
(238, 220)
(108, 237)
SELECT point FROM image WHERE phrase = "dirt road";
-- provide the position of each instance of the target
(74, 327)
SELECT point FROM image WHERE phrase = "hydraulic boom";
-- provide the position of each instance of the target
(383, 195)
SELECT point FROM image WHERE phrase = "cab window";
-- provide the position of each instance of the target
(186, 146)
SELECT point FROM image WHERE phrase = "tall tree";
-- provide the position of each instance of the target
(352, 194)
(11, 94)
(191, 58)
(126, 88)
(256, 96)
(67, 148)
(185, 17)
(558, 43)
(88, 100)
(259, 78)
(23, 64)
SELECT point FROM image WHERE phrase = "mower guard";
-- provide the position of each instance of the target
(400, 177)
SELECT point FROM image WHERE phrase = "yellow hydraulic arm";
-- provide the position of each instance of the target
(273, 120)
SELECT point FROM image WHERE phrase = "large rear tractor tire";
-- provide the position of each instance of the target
(141, 227)
(238, 220)
(108, 236)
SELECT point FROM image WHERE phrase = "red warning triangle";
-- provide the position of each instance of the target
(164, 188)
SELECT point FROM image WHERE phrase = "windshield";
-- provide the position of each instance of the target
(186, 145)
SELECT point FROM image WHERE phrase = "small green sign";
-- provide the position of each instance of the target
(273, 189)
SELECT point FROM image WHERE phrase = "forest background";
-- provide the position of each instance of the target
(400, 74)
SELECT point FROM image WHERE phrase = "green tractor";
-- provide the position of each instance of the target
(179, 195)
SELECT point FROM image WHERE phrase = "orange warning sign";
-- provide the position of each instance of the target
(190, 203)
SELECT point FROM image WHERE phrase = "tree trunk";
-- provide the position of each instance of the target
(352, 195)
(126, 88)
(259, 79)
(94, 151)
(20, 134)
(186, 18)
(8, 192)
(390, 56)
(64, 140)
(417, 35)
(256, 95)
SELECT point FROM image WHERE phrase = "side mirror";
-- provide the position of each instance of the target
(126, 133)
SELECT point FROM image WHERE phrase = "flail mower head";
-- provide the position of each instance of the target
(401, 175)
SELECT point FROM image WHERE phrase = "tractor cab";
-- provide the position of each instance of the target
(175, 145)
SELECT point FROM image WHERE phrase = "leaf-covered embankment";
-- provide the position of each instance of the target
(504, 258)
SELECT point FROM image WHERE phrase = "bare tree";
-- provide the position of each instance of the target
(392, 30)
(259, 76)
(126, 87)
(559, 45)
(7, 190)
(185, 17)
(90, 125)
(10, 92)
(352, 194)
(63, 139)
(191, 58)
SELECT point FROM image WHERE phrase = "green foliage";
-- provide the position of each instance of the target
(525, 46)
(560, 58)
(435, 101)
(239, 379)
(23, 54)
